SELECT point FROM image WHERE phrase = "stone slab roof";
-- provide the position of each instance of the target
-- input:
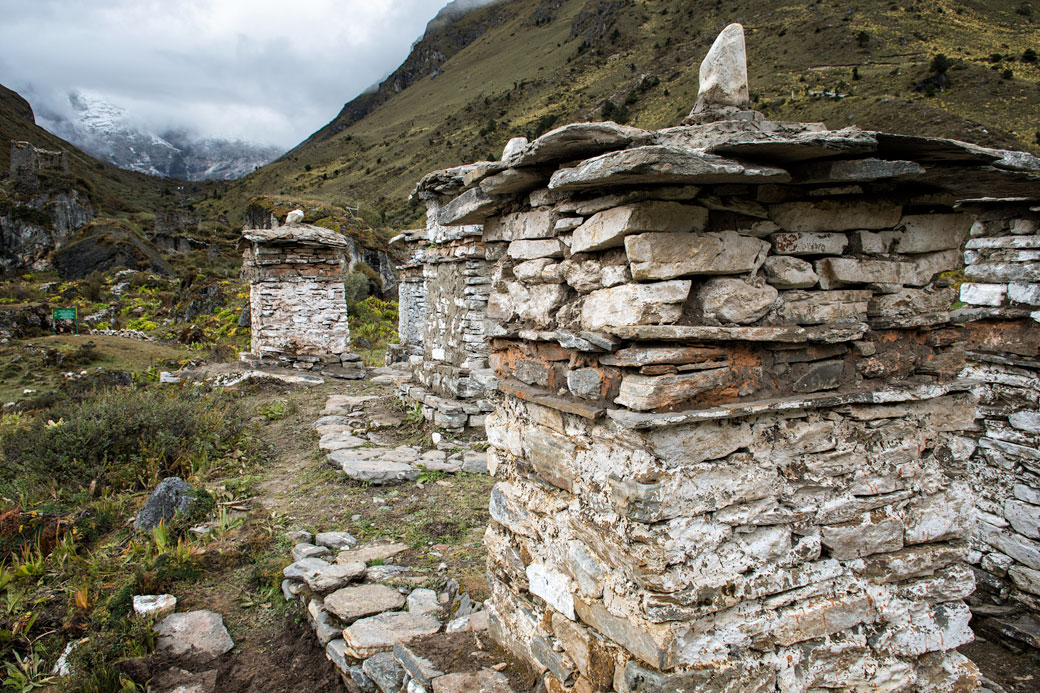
(300, 234)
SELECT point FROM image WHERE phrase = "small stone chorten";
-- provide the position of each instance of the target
(297, 301)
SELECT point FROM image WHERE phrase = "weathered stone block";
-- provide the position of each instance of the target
(607, 229)
(520, 226)
(789, 272)
(533, 249)
(644, 393)
(809, 243)
(867, 536)
(835, 215)
(925, 233)
(634, 304)
(669, 255)
(822, 307)
(736, 301)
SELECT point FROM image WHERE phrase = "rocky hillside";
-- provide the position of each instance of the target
(520, 67)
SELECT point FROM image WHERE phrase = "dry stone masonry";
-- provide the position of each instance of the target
(1002, 265)
(443, 298)
(298, 308)
(734, 447)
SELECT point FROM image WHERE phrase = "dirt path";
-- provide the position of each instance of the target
(441, 519)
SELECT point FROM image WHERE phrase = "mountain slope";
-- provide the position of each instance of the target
(103, 130)
(519, 67)
(114, 192)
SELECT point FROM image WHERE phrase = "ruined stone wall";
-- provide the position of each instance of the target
(1002, 261)
(27, 160)
(298, 309)
(730, 434)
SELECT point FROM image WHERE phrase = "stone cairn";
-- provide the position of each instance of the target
(443, 299)
(733, 448)
(1002, 260)
(297, 303)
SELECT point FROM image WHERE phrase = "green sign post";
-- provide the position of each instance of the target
(64, 314)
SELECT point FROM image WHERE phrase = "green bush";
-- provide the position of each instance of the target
(123, 438)
(355, 285)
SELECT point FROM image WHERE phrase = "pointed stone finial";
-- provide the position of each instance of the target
(294, 217)
(723, 75)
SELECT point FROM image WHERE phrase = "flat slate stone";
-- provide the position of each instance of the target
(351, 603)
(657, 164)
(845, 332)
(485, 681)
(301, 551)
(335, 540)
(385, 672)
(577, 140)
(367, 553)
(803, 146)
(200, 635)
(375, 634)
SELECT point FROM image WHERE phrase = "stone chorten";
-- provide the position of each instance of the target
(297, 302)
(733, 444)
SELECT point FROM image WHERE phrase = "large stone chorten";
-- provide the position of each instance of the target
(733, 443)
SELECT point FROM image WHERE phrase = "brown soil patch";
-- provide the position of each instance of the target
(470, 652)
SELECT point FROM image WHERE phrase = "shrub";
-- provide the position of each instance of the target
(1029, 56)
(940, 64)
(355, 286)
(124, 438)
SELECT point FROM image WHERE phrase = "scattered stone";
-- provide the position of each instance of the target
(154, 605)
(173, 495)
(199, 635)
(366, 553)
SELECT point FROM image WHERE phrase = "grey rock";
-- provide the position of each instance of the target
(385, 672)
(577, 140)
(374, 634)
(351, 603)
(735, 301)
(177, 680)
(335, 650)
(822, 307)
(299, 536)
(360, 679)
(298, 570)
(830, 215)
(379, 471)
(199, 635)
(607, 229)
(301, 551)
(671, 255)
(656, 164)
(471, 207)
(173, 495)
(419, 668)
(925, 233)
(809, 243)
(785, 272)
(474, 462)
(335, 540)
(585, 383)
(485, 681)
(635, 304)
(424, 601)
(817, 376)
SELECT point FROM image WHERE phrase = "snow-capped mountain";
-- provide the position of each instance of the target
(104, 130)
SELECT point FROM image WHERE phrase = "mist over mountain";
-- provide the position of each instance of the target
(109, 133)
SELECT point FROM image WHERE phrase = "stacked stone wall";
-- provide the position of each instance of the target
(1002, 262)
(733, 440)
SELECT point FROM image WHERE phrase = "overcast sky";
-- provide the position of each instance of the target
(267, 71)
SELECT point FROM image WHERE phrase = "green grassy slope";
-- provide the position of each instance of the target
(522, 76)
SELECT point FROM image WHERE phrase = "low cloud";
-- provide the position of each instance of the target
(256, 70)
